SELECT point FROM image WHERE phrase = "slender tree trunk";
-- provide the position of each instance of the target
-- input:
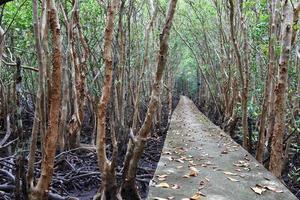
(137, 146)
(145, 67)
(268, 85)
(108, 189)
(243, 76)
(42, 188)
(277, 157)
(39, 119)
(20, 170)
(2, 42)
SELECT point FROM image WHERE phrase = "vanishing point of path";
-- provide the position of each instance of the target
(200, 161)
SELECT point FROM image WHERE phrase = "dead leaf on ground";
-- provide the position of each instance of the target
(163, 185)
(162, 176)
(224, 152)
(233, 180)
(192, 163)
(193, 172)
(179, 160)
(186, 176)
(159, 198)
(273, 189)
(170, 158)
(258, 190)
(241, 163)
(175, 186)
(230, 173)
(196, 196)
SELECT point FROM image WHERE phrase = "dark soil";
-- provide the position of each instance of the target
(76, 171)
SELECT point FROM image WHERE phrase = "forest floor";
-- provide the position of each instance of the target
(76, 172)
(200, 161)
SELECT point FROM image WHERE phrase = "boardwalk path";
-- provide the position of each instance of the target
(225, 170)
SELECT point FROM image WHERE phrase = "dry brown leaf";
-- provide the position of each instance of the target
(241, 163)
(163, 185)
(167, 153)
(233, 180)
(258, 190)
(170, 158)
(159, 198)
(192, 163)
(175, 186)
(186, 176)
(162, 176)
(230, 173)
(224, 152)
(273, 189)
(196, 197)
(179, 160)
(193, 172)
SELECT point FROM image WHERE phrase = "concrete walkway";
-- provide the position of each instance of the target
(200, 161)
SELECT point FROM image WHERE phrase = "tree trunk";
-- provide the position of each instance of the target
(276, 158)
(243, 77)
(106, 167)
(50, 141)
(39, 119)
(136, 148)
(268, 85)
(290, 15)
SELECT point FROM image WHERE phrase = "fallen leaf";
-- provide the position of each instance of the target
(224, 152)
(175, 186)
(258, 190)
(233, 180)
(161, 179)
(167, 153)
(158, 198)
(192, 163)
(193, 172)
(273, 189)
(163, 185)
(196, 196)
(230, 173)
(170, 158)
(241, 163)
(186, 176)
(179, 160)
(162, 176)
